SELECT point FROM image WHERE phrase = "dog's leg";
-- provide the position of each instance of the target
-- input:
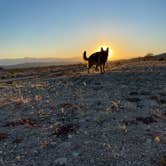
(88, 70)
(88, 67)
(104, 68)
(96, 68)
(101, 68)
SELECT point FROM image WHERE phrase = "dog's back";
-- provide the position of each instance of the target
(94, 58)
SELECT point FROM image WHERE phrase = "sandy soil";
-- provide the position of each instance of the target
(61, 116)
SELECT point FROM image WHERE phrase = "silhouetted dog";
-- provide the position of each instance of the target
(98, 59)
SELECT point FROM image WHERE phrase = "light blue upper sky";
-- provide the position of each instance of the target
(66, 27)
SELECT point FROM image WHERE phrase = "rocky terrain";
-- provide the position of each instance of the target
(62, 116)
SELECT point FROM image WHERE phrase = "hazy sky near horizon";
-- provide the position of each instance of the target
(65, 28)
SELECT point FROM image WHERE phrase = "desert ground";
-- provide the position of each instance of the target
(62, 116)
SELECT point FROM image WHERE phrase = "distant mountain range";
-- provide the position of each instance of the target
(147, 58)
(40, 62)
(153, 57)
(159, 56)
(36, 62)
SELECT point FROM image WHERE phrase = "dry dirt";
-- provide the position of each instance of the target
(61, 116)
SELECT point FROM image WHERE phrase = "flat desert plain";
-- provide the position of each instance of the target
(62, 116)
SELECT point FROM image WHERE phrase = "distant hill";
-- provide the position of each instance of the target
(155, 57)
(36, 62)
(159, 56)
(148, 57)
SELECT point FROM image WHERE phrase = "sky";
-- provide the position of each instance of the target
(65, 28)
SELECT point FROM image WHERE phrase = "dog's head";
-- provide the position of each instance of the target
(105, 51)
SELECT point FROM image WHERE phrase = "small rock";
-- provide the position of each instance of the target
(92, 161)
(53, 143)
(44, 144)
(18, 158)
(148, 141)
(124, 128)
(115, 105)
(70, 136)
(129, 106)
(18, 140)
(64, 147)
(157, 138)
(61, 161)
(84, 83)
(75, 154)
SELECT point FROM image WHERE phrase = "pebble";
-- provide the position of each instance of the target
(70, 136)
(61, 161)
(75, 154)
(148, 141)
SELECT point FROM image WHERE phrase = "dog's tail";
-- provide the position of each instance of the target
(84, 56)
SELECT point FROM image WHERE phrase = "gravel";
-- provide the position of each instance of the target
(65, 117)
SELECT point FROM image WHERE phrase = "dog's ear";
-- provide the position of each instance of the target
(102, 49)
(107, 49)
